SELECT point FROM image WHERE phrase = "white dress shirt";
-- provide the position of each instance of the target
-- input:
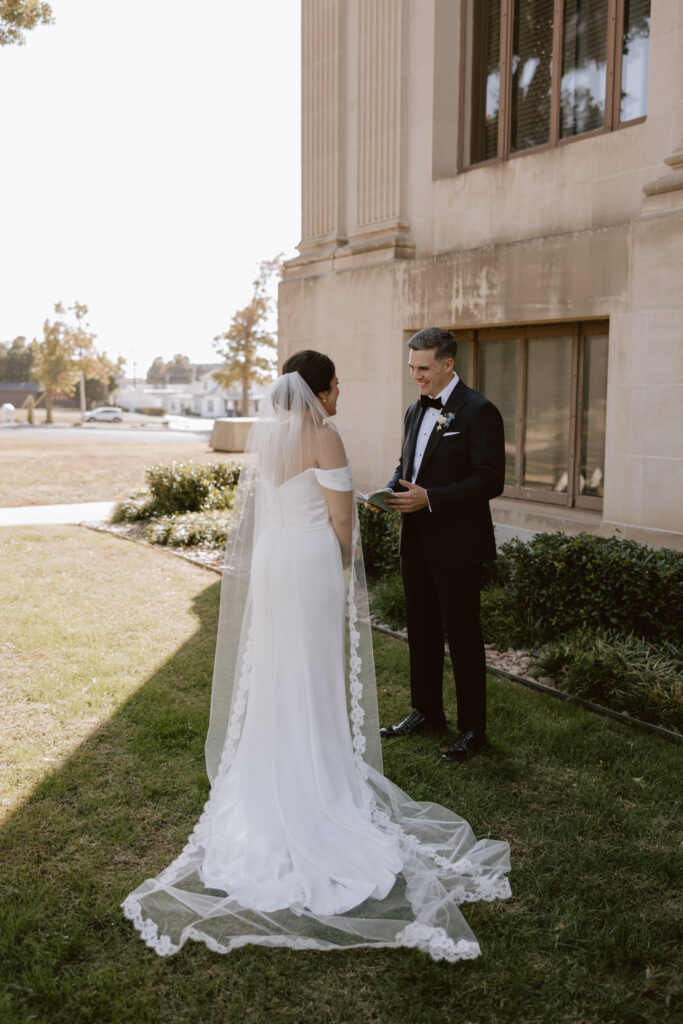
(427, 425)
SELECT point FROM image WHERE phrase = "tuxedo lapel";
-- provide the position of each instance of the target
(454, 405)
(411, 440)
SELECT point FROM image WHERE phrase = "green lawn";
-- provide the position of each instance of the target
(107, 652)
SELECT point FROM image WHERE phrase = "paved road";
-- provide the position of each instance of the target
(131, 432)
(30, 515)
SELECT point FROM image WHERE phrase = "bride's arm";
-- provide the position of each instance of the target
(340, 503)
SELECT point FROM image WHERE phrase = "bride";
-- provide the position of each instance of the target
(303, 841)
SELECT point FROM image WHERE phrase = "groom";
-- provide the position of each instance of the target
(452, 463)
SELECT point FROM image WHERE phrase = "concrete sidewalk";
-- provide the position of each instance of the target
(30, 515)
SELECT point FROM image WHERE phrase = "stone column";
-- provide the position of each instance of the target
(380, 222)
(646, 464)
(322, 124)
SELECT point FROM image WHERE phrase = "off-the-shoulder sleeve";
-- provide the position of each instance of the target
(335, 479)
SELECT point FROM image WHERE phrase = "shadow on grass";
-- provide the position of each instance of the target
(586, 807)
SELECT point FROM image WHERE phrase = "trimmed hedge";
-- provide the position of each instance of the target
(563, 583)
(192, 486)
(179, 487)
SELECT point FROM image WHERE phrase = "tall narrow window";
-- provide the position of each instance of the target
(462, 362)
(593, 415)
(634, 59)
(550, 385)
(539, 72)
(584, 66)
(532, 55)
(485, 83)
(497, 380)
(547, 420)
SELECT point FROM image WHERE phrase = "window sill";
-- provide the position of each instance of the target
(539, 517)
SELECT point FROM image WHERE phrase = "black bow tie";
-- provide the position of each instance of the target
(430, 403)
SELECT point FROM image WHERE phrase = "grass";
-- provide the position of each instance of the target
(590, 809)
(52, 467)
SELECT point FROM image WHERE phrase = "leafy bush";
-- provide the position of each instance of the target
(388, 602)
(208, 529)
(153, 410)
(566, 583)
(137, 506)
(495, 573)
(192, 486)
(379, 536)
(186, 504)
(623, 672)
(503, 623)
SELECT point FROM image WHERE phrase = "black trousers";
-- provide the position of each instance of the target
(445, 599)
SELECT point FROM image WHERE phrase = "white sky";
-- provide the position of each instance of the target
(149, 159)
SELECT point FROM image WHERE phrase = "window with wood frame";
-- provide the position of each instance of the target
(541, 72)
(550, 385)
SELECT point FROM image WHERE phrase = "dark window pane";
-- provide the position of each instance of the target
(546, 436)
(462, 361)
(584, 66)
(592, 455)
(498, 362)
(532, 51)
(485, 79)
(634, 59)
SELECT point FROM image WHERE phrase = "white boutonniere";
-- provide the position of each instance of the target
(444, 421)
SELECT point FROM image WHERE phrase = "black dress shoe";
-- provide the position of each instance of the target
(414, 723)
(467, 745)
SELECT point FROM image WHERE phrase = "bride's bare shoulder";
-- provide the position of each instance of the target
(331, 452)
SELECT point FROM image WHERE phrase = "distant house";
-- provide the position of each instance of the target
(18, 394)
(203, 397)
(206, 398)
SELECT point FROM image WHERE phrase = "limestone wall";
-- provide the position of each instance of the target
(400, 239)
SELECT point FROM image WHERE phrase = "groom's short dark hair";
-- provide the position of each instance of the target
(438, 338)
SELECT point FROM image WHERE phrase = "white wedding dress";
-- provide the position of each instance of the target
(303, 841)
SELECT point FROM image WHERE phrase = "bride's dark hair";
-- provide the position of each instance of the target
(316, 369)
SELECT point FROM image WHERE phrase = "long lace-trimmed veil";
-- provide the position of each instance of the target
(303, 841)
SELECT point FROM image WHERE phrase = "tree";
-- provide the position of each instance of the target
(15, 361)
(102, 378)
(55, 366)
(247, 348)
(19, 16)
(82, 341)
(157, 372)
(179, 370)
(66, 357)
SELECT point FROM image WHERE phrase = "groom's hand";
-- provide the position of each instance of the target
(411, 500)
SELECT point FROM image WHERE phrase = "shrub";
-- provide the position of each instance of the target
(208, 529)
(566, 583)
(388, 602)
(137, 506)
(379, 535)
(153, 410)
(181, 487)
(503, 623)
(192, 486)
(625, 673)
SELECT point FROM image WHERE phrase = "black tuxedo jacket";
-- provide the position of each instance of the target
(463, 467)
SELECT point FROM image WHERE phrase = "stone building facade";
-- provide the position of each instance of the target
(512, 170)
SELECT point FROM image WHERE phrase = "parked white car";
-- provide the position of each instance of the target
(112, 413)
